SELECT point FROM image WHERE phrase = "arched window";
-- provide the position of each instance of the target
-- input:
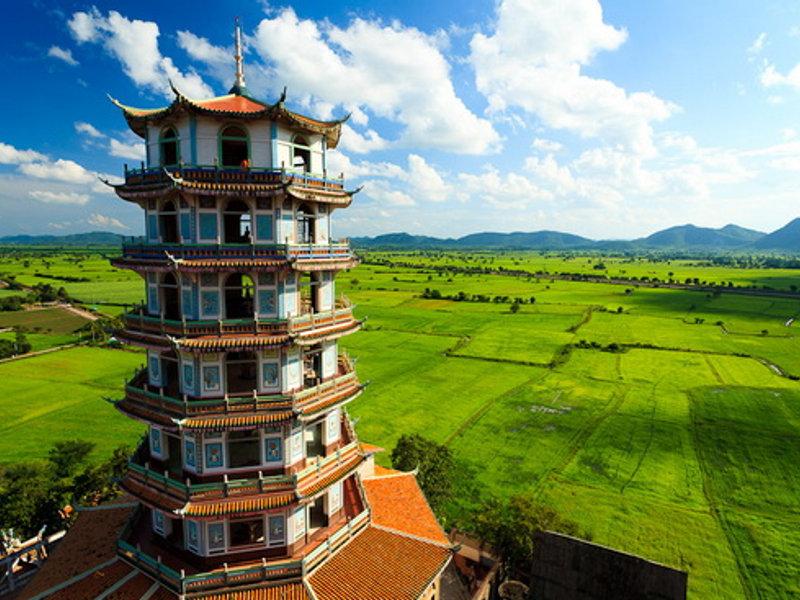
(170, 297)
(237, 223)
(306, 224)
(234, 147)
(168, 223)
(241, 370)
(239, 296)
(301, 154)
(168, 141)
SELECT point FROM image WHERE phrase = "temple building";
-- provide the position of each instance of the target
(250, 481)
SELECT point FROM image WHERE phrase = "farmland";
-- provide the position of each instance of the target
(665, 422)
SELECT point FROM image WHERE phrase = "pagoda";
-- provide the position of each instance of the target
(250, 480)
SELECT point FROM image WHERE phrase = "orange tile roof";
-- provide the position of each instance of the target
(133, 588)
(311, 486)
(381, 471)
(397, 502)
(379, 565)
(237, 505)
(227, 422)
(231, 103)
(89, 543)
(94, 583)
(370, 448)
(231, 341)
(287, 591)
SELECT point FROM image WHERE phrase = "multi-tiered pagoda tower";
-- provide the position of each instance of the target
(250, 479)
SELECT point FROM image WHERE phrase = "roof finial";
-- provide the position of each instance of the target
(239, 86)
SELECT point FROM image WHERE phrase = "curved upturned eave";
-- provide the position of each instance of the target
(138, 118)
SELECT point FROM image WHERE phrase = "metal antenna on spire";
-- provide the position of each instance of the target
(239, 85)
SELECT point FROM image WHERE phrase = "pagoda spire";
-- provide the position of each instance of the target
(239, 87)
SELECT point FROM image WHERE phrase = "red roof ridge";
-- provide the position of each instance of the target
(412, 536)
(390, 473)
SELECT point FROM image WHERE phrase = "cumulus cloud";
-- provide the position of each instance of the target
(771, 77)
(353, 141)
(88, 129)
(58, 170)
(49, 197)
(134, 43)
(99, 220)
(384, 193)
(132, 151)
(9, 155)
(533, 60)
(395, 72)
(62, 54)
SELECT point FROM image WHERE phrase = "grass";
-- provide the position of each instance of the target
(48, 320)
(684, 451)
(60, 396)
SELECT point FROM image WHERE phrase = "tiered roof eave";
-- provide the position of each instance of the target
(231, 105)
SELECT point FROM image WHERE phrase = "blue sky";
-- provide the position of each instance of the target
(607, 119)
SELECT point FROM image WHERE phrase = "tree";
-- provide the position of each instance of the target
(514, 307)
(508, 526)
(34, 494)
(435, 464)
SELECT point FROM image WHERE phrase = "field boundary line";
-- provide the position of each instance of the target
(39, 352)
(484, 408)
(577, 442)
(714, 371)
(715, 510)
(643, 454)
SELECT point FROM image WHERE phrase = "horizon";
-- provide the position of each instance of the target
(597, 119)
(398, 232)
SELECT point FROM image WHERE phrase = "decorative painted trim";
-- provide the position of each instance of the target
(273, 136)
(193, 137)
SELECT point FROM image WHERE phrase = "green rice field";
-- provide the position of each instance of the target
(665, 422)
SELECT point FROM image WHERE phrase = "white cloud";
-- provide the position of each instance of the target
(88, 129)
(134, 44)
(509, 191)
(547, 145)
(63, 55)
(395, 72)
(383, 193)
(771, 77)
(9, 155)
(49, 197)
(58, 170)
(99, 220)
(425, 181)
(353, 141)
(534, 59)
(758, 44)
(132, 151)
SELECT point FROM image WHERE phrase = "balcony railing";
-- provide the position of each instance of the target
(139, 390)
(216, 174)
(139, 249)
(140, 322)
(253, 573)
(186, 490)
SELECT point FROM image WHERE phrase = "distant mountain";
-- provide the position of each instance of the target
(400, 240)
(92, 238)
(693, 237)
(786, 238)
(537, 240)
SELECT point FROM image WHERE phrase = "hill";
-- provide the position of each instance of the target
(786, 238)
(691, 236)
(92, 238)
